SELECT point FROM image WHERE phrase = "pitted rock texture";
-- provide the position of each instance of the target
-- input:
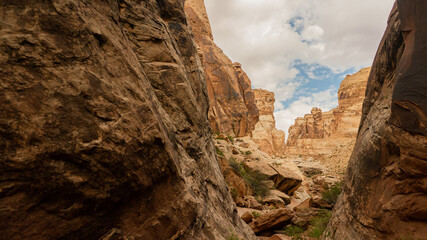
(331, 135)
(384, 194)
(103, 125)
(265, 134)
(232, 104)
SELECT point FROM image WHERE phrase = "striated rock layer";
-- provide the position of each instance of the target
(265, 134)
(331, 134)
(103, 125)
(232, 104)
(385, 191)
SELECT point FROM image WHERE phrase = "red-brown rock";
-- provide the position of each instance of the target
(232, 104)
(103, 125)
(384, 194)
(274, 219)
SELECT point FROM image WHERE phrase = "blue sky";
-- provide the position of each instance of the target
(299, 49)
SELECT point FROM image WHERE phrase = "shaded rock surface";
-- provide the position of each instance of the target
(232, 102)
(274, 219)
(285, 180)
(330, 136)
(265, 134)
(384, 194)
(103, 125)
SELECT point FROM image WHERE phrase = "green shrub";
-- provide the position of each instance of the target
(255, 179)
(230, 138)
(331, 195)
(319, 223)
(218, 151)
(234, 193)
(233, 236)
(256, 214)
(293, 231)
(248, 153)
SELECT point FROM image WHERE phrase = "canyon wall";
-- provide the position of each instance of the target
(232, 104)
(265, 134)
(384, 193)
(331, 135)
(103, 125)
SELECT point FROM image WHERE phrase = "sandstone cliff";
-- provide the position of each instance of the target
(331, 135)
(232, 105)
(103, 125)
(384, 194)
(265, 134)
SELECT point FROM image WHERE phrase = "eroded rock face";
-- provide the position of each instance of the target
(331, 134)
(265, 134)
(274, 219)
(103, 125)
(232, 104)
(384, 194)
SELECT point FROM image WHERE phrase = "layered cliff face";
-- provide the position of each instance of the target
(384, 194)
(331, 135)
(232, 105)
(103, 125)
(265, 134)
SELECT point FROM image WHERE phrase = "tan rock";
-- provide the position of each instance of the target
(284, 179)
(304, 204)
(280, 237)
(330, 135)
(265, 134)
(232, 104)
(281, 195)
(274, 200)
(247, 217)
(274, 219)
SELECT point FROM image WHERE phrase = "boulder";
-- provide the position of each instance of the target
(247, 217)
(274, 219)
(284, 179)
(281, 195)
(280, 237)
(274, 200)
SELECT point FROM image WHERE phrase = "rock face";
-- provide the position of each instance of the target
(271, 220)
(232, 104)
(265, 134)
(384, 194)
(103, 125)
(331, 134)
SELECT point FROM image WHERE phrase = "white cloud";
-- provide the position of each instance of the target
(268, 36)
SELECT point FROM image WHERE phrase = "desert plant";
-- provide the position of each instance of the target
(319, 223)
(293, 231)
(230, 138)
(256, 214)
(218, 151)
(255, 179)
(332, 193)
(233, 236)
(234, 193)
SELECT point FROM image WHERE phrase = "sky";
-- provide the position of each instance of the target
(299, 49)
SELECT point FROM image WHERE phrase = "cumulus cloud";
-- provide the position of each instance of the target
(268, 36)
